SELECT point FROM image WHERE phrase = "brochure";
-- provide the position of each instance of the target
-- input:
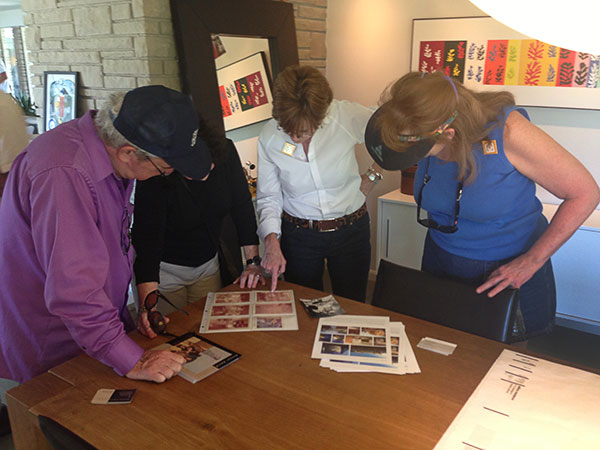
(203, 357)
(249, 311)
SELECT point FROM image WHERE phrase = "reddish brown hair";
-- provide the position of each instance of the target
(301, 97)
(417, 104)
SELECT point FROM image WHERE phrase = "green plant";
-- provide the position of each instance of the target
(26, 105)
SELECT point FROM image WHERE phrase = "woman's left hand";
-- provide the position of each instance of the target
(513, 274)
(250, 277)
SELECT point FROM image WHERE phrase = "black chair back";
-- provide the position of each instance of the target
(60, 438)
(446, 302)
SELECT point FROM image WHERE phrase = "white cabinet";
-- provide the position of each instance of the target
(576, 264)
(399, 237)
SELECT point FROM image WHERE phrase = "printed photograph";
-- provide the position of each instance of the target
(359, 340)
(379, 341)
(232, 297)
(353, 330)
(372, 352)
(226, 324)
(231, 310)
(193, 348)
(395, 340)
(334, 329)
(269, 322)
(335, 349)
(373, 331)
(323, 337)
(273, 308)
(337, 338)
(322, 307)
(277, 296)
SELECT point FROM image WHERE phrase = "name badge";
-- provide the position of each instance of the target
(489, 147)
(288, 149)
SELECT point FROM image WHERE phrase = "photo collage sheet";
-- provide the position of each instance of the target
(364, 344)
(249, 311)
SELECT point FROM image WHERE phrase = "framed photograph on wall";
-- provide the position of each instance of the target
(245, 91)
(484, 54)
(60, 98)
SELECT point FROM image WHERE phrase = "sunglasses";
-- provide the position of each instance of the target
(430, 223)
(439, 130)
(156, 319)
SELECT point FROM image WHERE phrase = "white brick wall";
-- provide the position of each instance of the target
(123, 44)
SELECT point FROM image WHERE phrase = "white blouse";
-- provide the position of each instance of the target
(325, 185)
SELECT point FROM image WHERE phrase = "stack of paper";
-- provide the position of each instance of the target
(364, 344)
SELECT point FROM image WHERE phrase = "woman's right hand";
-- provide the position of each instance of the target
(273, 260)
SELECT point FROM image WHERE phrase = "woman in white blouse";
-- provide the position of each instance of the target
(310, 204)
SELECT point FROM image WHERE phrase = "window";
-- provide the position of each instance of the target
(12, 53)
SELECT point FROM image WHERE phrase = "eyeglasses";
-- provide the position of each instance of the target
(430, 223)
(156, 319)
(162, 172)
(439, 130)
(126, 231)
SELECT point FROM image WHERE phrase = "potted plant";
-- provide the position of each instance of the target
(29, 110)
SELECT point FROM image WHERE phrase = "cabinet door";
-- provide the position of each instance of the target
(400, 238)
(577, 271)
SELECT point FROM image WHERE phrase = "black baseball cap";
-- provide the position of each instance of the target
(391, 159)
(164, 123)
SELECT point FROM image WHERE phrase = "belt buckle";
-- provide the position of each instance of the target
(329, 229)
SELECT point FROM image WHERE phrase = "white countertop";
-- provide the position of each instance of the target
(549, 209)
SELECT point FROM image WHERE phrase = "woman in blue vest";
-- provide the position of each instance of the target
(479, 159)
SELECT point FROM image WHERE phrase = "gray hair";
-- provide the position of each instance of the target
(107, 131)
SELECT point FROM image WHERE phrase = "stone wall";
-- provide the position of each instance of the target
(311, 29)
(122, 44)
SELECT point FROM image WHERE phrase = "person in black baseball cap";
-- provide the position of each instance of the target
(164, 123)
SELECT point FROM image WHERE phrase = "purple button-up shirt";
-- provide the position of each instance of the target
(65, 261)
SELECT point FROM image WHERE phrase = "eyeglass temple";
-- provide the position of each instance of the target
(176, 307)
(171, 303)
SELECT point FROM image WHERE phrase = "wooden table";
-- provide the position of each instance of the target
(275, 396)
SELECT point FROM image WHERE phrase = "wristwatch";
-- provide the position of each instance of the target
(373, 175)
(255, 261)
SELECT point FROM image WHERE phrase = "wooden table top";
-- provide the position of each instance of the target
(276, 396)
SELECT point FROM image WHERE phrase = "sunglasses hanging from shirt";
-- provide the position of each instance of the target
(430, 223)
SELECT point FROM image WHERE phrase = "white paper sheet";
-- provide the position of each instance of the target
(529, 403)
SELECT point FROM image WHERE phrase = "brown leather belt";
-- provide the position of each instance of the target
(326, 225)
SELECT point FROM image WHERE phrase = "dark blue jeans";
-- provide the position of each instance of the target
(346, 250)
(537, 297)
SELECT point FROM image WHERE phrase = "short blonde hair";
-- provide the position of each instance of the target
(418, 103)
(301, 97)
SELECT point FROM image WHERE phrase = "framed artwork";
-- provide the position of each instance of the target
(484, 54)
(245, 92)
(60, 98)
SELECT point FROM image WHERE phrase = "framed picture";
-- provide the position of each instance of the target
(245, 91)
(60, 98)
(484, 54)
